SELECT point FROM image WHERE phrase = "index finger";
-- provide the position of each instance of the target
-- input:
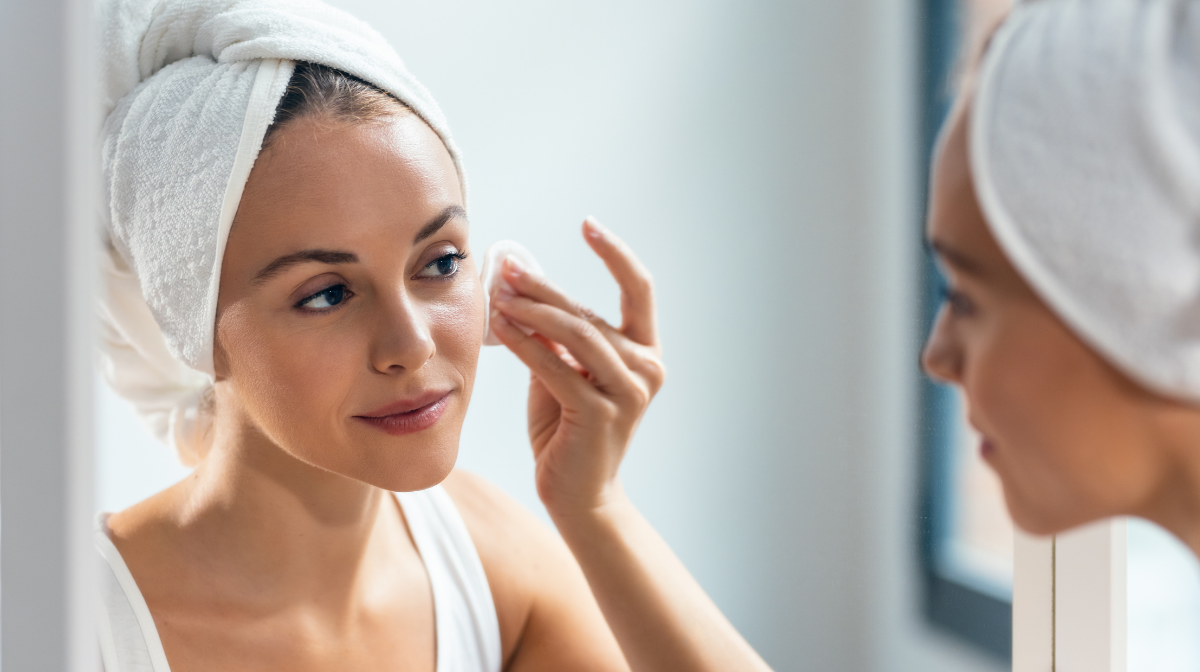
(639, 321)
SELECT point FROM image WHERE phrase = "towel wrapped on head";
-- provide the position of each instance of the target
(1085, 153)
(190, 88)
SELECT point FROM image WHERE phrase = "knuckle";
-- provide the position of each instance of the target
(631, 392)
(584, 312)
(640, 395)
(602, 325)
(549, 359)
(607, 411)
(583, 330)
(656, 374)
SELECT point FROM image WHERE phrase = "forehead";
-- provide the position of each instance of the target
(322, 178)
(957, 227)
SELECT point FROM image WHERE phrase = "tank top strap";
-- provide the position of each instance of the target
(468, 631)
(128, 639)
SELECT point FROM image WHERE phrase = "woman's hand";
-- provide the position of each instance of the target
(591, 382)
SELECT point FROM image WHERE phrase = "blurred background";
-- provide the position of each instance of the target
(767, 161)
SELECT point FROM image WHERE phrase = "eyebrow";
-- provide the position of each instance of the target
(322, 256)
(334, 257)
(955, 258)
(438, 222)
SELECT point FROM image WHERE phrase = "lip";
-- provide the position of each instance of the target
(408, 416)
(986, 448)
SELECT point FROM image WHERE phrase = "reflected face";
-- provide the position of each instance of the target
(1070, 437)
(350, 314)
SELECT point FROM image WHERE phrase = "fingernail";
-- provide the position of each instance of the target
(503, 293)
(594, 230)
(514, 265)
(495, 314)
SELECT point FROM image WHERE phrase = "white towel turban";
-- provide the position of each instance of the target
(190, 87)
(1085, 149)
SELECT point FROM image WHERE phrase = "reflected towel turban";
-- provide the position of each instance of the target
(1085, 151)
(190, 88)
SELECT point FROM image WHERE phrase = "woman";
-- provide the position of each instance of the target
(293, 301)
(1064, 211)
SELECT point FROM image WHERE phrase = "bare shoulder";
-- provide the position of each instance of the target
(493, 517)
(145, 523)
(549, 619)
(517, 550)
(147, 537)
(509, 540)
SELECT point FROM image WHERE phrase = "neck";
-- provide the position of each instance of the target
(276, 527)
(1176, 502)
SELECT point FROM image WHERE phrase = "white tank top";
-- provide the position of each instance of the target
(468, 633)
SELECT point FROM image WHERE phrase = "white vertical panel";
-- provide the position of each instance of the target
(47, 119)
(1089, 618)
(1033, 603)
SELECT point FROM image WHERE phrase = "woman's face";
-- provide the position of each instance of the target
(350, 315)
(1071, 438)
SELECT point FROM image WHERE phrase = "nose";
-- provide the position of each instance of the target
(942, 357)
(403, 340)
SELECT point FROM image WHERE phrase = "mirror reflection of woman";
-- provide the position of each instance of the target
(324, 525)
(1064, 213)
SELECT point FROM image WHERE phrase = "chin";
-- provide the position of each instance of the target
(1035, 525)
(1043, 518)
(400, 464)
(412, 467)
(401, 460)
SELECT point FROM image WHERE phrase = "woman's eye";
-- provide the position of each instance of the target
(957, 302)
(442, 267)
(954, 300)
(326, 298)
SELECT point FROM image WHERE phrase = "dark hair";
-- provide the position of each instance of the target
(316, 90)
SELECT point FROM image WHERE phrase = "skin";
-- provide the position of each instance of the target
(1072, 439)
(284, 550)
(347, 285)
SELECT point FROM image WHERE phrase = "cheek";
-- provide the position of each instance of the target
(298, 384)
(1016, 393)
(289, 379)
(1014, 402)
(1065, 447)
(456, 325)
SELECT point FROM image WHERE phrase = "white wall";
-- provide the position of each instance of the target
(759, 155)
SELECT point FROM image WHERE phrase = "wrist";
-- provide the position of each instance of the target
(569, 513)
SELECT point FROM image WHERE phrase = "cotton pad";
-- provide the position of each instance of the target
(494, 283)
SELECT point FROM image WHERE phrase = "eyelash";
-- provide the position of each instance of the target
(346, 294)
(300, 305)
(956, 301)
(458, 257)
